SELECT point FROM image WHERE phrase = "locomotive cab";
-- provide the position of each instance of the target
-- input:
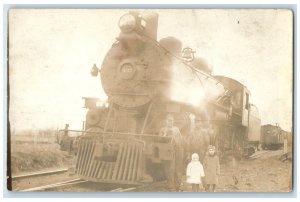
(244, 120)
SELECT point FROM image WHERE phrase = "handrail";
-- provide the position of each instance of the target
(118, 133)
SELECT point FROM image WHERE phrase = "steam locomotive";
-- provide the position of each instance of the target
(145, 80)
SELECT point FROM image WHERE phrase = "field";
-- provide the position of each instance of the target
(30, 157)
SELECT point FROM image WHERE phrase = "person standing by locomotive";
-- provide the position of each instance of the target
(194, 172)
(212, 134)
(211, 168)
(173, 170)
(198, 141)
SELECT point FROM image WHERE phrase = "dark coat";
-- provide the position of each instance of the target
(211, 169)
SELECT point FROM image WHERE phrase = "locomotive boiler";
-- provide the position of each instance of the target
(146, 79)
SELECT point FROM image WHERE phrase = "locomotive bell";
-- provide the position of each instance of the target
(188, 54)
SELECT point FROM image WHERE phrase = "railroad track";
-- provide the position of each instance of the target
(18, 177)
(259, 154)
(54, 185)
(264, 153)
(70, 184)
(124, 190)
(18, 182)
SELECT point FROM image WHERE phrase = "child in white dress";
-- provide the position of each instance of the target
(194, 172)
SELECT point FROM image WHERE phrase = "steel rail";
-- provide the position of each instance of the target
(55, 185)
(38, 174)
(258, 155)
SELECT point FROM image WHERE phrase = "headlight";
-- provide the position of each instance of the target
(127, 23)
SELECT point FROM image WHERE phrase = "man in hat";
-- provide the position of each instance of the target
(173, 170)
(170, 130)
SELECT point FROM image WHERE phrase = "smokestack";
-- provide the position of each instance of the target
(151, 23)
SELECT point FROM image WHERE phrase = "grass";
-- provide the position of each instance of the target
(29, 157)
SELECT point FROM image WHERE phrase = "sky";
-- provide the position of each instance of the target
(51, 53)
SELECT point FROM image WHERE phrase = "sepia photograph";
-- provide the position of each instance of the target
(150, 100)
